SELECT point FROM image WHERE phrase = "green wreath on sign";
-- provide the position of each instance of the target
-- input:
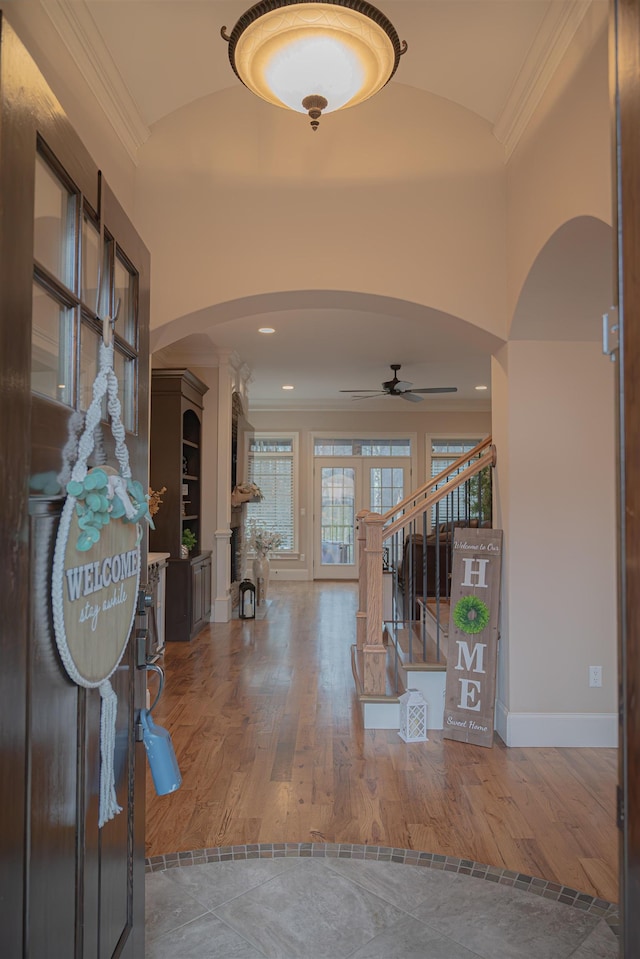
(470, 614)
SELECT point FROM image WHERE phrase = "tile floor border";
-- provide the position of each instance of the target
(554, 891)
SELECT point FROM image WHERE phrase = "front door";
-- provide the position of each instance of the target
(625, 73)
(67, 888)
(343, 487)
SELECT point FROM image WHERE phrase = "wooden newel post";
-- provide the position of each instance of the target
(375, 654)
(361, 615)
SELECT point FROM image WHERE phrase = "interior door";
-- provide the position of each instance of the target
(625, 90)
(343, 487)
(68, 888)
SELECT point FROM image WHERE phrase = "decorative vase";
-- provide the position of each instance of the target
(261, 568)
(184, 552)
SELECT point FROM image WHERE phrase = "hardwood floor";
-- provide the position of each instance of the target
(270, 742)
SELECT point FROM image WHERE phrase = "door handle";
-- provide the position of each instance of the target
(156, 669)
(610, 335)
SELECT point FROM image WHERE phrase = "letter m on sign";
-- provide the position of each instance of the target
(473, 636)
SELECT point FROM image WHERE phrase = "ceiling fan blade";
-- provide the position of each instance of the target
(369, 396)
(355, 391)
(409, 395)
(402, 386)
(437, 389)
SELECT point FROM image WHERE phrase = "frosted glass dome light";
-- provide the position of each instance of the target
(314, 57)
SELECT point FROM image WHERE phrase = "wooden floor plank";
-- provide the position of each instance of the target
(268, 733)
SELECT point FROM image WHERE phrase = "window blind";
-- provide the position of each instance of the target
(273, 472)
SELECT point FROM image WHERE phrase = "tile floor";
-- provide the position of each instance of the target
(327, 901)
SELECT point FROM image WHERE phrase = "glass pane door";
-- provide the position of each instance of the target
(337, 516)
(386, 487)
(343, 487)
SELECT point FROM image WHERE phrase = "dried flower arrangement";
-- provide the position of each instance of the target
(155, 499)
(261, 540)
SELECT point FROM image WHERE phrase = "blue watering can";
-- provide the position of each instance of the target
(160, 753)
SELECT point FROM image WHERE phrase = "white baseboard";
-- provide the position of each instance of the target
(221, 610)
(556, 729)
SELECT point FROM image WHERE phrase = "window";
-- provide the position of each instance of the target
(463, 502)
(51, 347)
(54, 305)
(272, 465)
(360, 447)
(75, 260)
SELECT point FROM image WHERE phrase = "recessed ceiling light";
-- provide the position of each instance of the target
(287, 387)
(266, 329)
(482, 387)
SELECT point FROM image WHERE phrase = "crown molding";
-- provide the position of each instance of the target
(80, 35)
(556, 32)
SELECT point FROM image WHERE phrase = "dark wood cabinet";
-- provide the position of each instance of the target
(176, 463)
(188, 597)
(201, 590)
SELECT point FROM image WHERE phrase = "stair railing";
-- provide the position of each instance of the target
(374, 529)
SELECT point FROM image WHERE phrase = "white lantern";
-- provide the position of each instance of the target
(413, 717)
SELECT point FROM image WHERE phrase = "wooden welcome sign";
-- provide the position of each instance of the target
(95, 595)
(473, 636)
(100, 592)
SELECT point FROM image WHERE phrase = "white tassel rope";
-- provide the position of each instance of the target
(108, 714)
(105, 382)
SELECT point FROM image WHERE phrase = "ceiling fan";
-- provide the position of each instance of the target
(396, 387)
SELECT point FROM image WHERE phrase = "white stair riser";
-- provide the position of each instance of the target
(432, 686)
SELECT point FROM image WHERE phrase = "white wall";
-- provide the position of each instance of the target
(561, 168)
(374, 204)
(556, 481)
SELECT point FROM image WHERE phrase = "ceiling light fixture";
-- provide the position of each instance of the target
(482, 387)
(314, 57)
(288, 387)
(266, 329)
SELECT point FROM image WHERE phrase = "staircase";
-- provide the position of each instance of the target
(401, 634)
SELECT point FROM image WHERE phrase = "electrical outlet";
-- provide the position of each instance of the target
(595, 675)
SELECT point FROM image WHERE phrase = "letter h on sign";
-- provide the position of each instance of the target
(480, 572)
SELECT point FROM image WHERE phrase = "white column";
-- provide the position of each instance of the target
(221, 606)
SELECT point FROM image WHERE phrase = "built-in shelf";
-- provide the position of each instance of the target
(176, 462)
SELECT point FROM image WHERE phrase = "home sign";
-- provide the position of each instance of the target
(473, 636)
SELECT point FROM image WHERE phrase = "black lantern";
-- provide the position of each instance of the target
(247, 600)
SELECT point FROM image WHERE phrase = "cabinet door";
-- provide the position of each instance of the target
(206, 589)
(196, 614)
